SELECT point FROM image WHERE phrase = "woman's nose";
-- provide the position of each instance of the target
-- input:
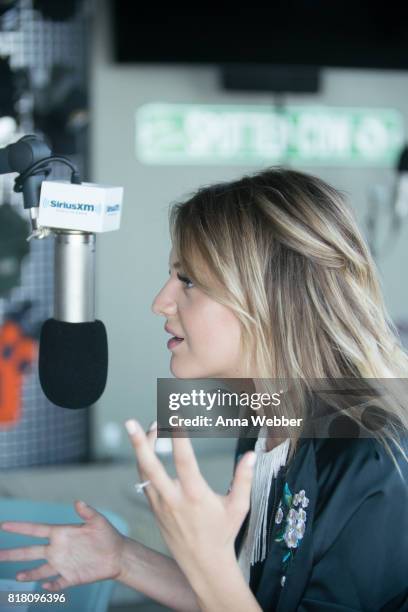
(164, 304)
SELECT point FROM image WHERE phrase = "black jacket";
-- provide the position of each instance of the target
(354, 551)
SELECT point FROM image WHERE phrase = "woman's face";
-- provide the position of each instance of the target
(211, 332)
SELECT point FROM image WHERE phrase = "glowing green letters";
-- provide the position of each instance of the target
(253, 134)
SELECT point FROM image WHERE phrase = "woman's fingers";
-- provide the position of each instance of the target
(39, 530)
(240, 494)
(149, 464)
(38, 573)
(56, 585)
(149, 491)
(84, 511)
(187, 467)
(151, 435)
(24, 553)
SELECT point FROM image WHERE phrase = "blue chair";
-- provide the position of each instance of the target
(92, 597)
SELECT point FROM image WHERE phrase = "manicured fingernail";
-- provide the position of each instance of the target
(132, 426)
(251, 460)
(153, 426)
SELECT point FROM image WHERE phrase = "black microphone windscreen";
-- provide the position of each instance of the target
(73, 362)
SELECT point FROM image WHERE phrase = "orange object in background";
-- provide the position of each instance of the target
(17, 353)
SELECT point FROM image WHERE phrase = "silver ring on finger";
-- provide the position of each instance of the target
(139, 486)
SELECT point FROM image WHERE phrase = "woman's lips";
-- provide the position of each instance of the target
(173, 342)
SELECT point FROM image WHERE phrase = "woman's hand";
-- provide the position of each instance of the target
(77, 553)
(198, 525)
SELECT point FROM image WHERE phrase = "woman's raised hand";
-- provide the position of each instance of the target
(198, 525)
(76, 554)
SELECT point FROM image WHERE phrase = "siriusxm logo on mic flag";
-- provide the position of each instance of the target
(75, 206)
(87, 207)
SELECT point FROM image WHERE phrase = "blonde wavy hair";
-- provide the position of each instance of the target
(282, 249)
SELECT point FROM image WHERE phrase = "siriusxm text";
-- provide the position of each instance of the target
(111, 208)
(72, 206)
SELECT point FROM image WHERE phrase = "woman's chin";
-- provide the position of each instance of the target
(180, 372)
(186, 370)
(177, 369)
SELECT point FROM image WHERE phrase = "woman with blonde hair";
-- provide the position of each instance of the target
(270, 278)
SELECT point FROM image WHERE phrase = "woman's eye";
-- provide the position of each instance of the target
(186, 281)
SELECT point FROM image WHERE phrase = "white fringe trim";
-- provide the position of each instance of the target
(268, 464)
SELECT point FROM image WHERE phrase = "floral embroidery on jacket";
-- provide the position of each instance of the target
(293, 528)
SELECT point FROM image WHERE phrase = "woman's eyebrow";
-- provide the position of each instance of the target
(176, 265)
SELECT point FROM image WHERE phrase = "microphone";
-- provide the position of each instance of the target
(73, 356)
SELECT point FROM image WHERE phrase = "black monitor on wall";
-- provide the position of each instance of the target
(309, 33)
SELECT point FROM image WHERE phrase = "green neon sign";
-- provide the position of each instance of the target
(245, 134)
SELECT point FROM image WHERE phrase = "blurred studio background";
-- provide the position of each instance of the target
(161, 105)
